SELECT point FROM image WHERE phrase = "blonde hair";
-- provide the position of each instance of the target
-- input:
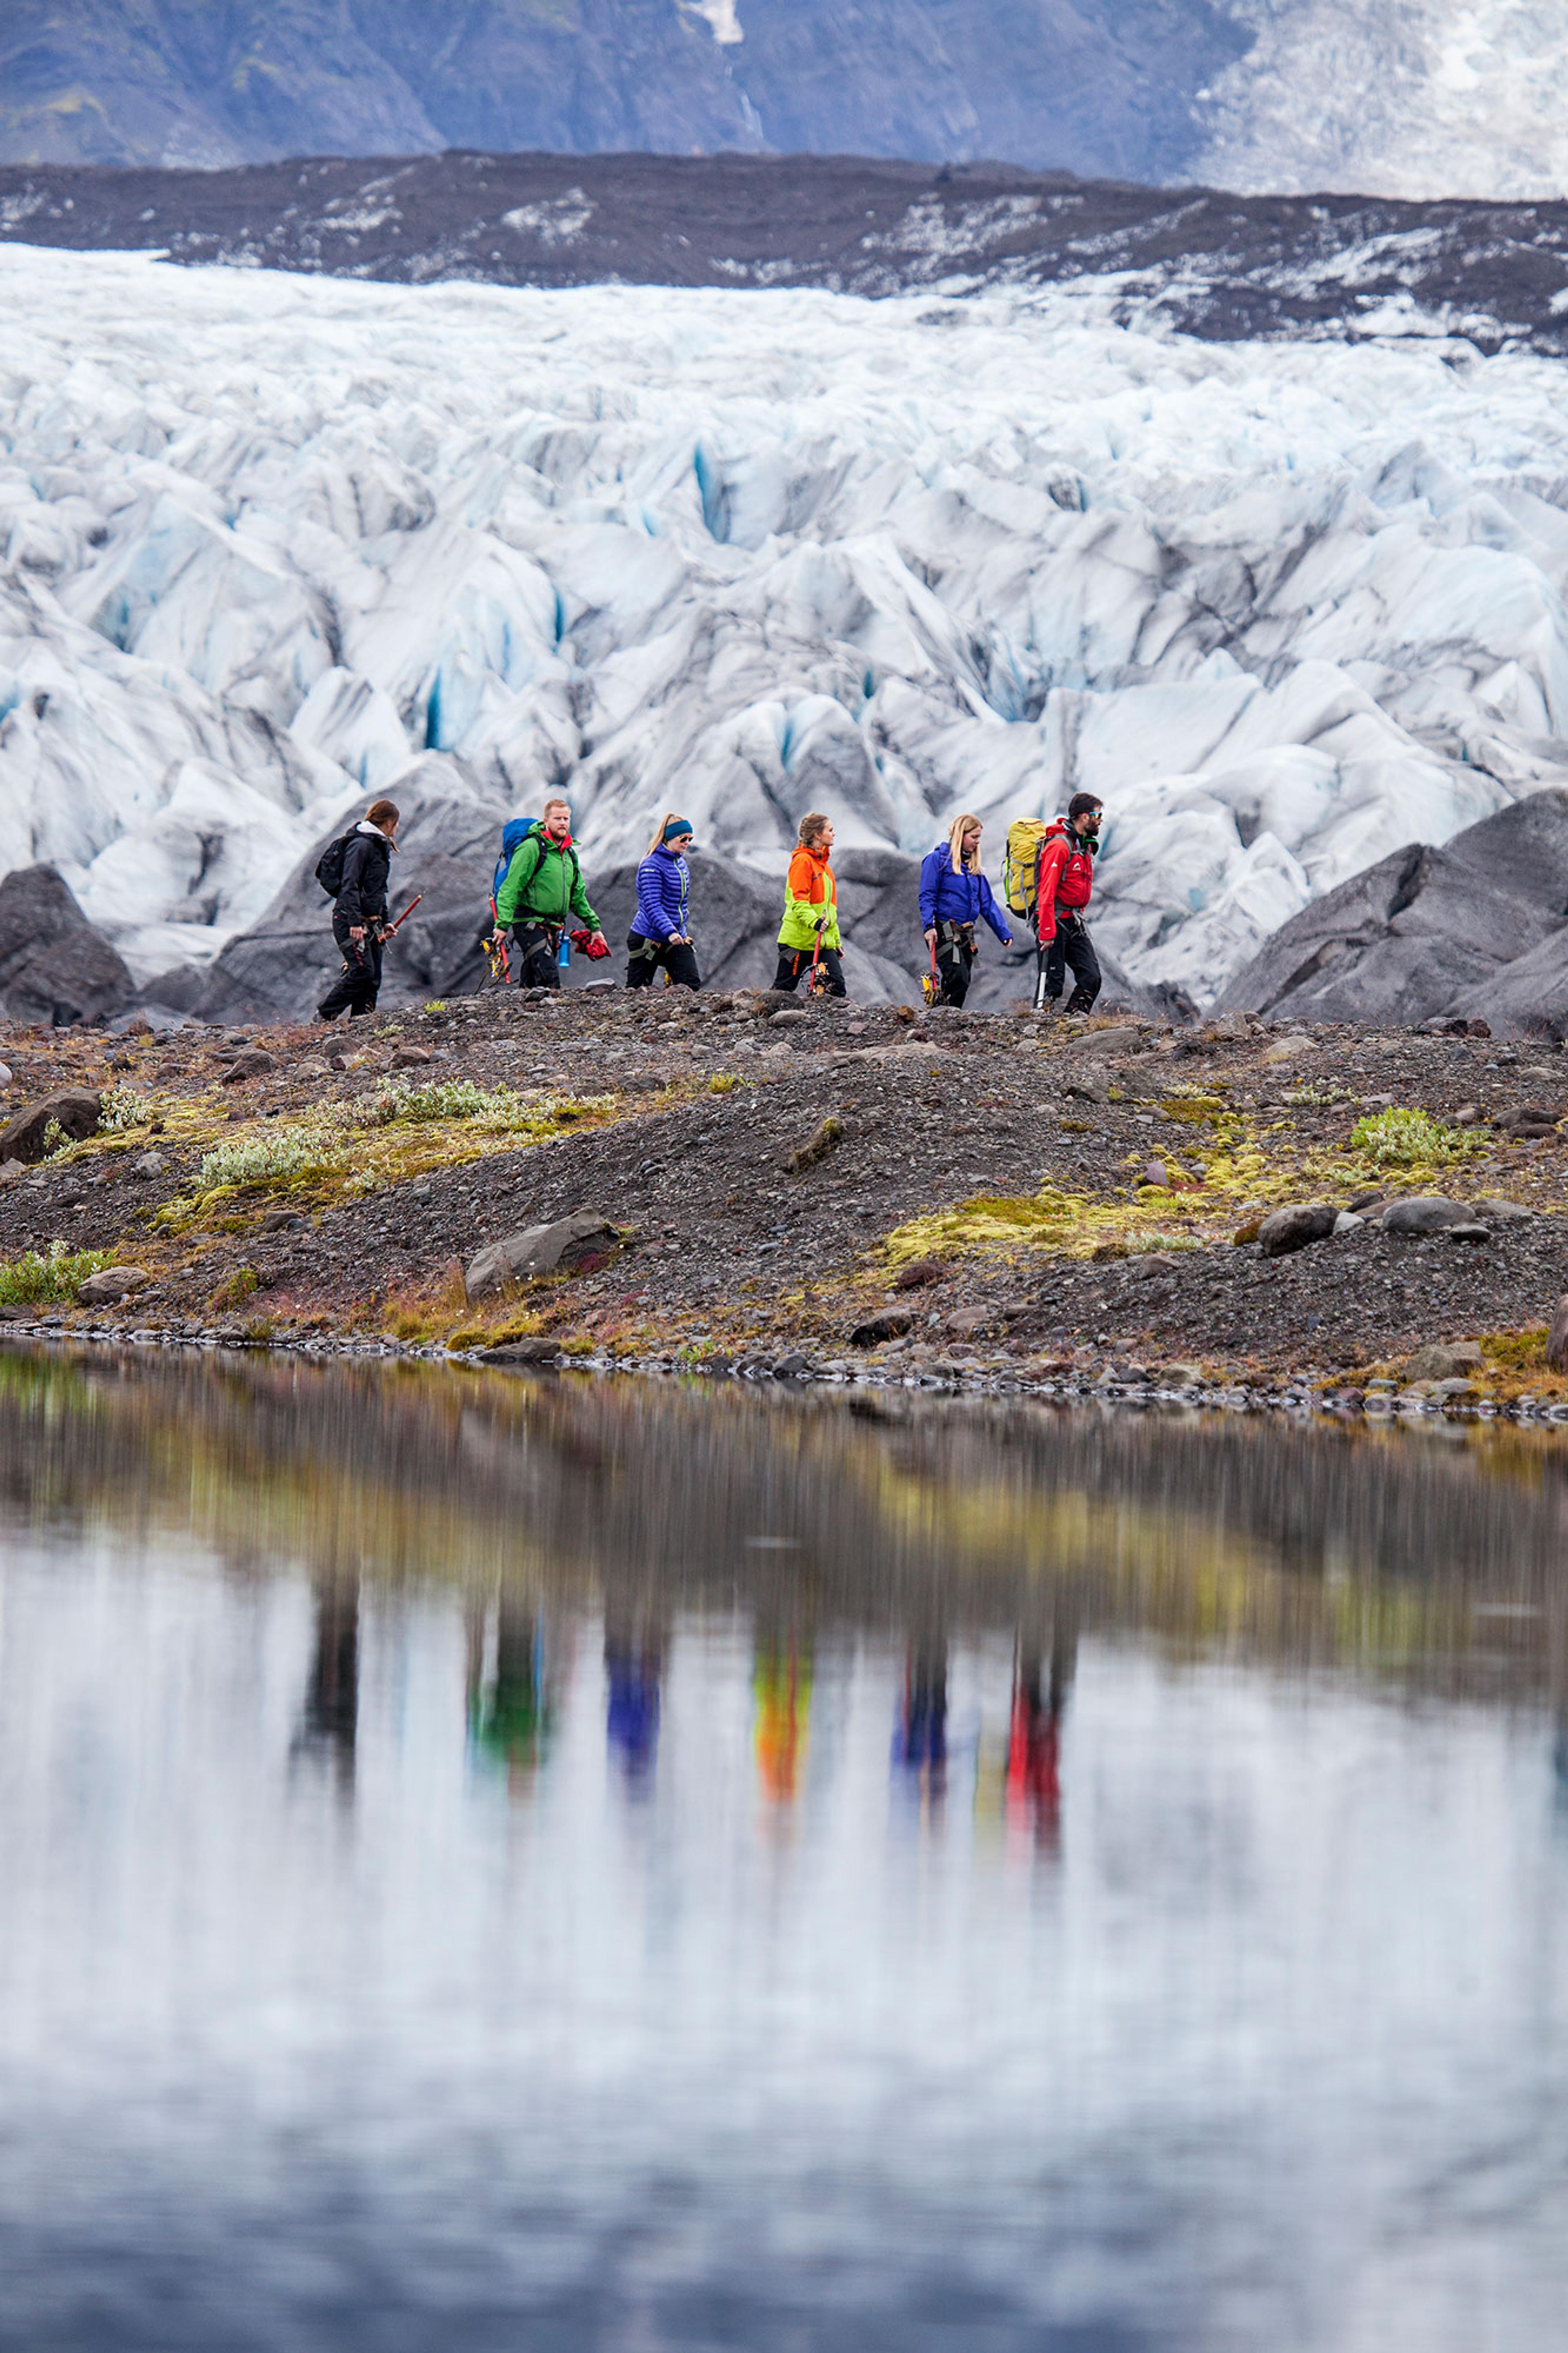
(556, 800)
(955, 833)
(811, 827)
(667, 819)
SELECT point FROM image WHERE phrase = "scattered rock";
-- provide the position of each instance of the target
(1469, 1231)
(250, 1063)
(114, 1282)
(1500, 1212)
(4, 1074)
(282, 1222)
(817, 1145)
(563, 1247)
(788, 1017)
(892, 1323)
(1089, 1086)
(1531, 1118)
(1423, 1213)
(1293, 1228)
(1347, 1221)
(76, 1112)
(968, 1322)
(408, 1057)
(791, 1368)
(150, 1165)
(1285, 1050)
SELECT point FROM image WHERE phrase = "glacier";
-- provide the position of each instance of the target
(271, 542)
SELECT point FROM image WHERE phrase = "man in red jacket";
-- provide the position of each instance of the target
(1064, 880)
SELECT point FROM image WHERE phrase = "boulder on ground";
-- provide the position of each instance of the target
(74, 1110)
(1292, 1229)
(536, 1350)
(892, 1323)
(251, 1062)
(559, 1248)
(1426, 1213)
(114, 1282)
(1557, 1337)
(55, 968)
(1440, 1362)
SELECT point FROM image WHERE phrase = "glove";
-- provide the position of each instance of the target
(590, 944)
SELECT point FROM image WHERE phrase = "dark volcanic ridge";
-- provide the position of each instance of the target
(1215, 264)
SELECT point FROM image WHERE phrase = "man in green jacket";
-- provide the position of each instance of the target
(544, 886)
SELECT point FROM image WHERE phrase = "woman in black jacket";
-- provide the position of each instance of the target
(358, 912)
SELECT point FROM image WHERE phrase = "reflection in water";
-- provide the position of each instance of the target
(1220, 2001)
(330, 1717)
(511, 1712)
(634, 1663)
(781, 1685)
(1033, 1777)
(920, 1740)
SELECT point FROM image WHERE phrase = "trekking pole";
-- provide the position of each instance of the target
(1040, 977)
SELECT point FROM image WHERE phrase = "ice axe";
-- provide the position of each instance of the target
(389, 930)
(930, 983)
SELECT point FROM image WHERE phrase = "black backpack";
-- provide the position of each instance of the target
(330, 865)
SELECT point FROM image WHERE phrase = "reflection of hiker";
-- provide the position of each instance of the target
(1066, 877)
(808, 936)
(1034, 1741)
(358, 908)
(659, 934)
(632, 1669)
(781, 1680)
(954, 895)
(328, 1721)
(919, 1741)
(543, 887)
(512, 1717)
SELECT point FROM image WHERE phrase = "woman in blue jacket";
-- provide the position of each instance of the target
(659, 933)
(954, 895)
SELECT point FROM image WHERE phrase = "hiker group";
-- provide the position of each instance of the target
(540, 911)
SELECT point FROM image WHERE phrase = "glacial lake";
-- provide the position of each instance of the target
(571, 1866)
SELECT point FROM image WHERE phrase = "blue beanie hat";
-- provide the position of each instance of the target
(676, 826)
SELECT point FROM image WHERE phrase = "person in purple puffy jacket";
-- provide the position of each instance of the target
(659, 933)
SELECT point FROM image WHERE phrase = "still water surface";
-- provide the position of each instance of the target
(529, 1865)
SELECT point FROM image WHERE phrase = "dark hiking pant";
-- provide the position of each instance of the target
(358, 985)
(795, 962)
(955, 962)
(644, 957)
(536, 949)
(1071, 945)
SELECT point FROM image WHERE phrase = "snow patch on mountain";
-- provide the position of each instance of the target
(1393, 98)
(268, 541)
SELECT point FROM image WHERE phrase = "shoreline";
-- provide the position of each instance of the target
(1304, 1397)
(972, 1203)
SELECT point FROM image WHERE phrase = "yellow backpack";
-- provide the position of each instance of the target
(1021, 866)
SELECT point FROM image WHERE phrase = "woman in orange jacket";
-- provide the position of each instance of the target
(809, 933)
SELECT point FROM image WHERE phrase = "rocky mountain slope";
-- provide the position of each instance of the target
(1405, 97)
(1476, 930)
(274, 543)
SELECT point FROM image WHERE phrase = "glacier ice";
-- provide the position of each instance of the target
(270, 540)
